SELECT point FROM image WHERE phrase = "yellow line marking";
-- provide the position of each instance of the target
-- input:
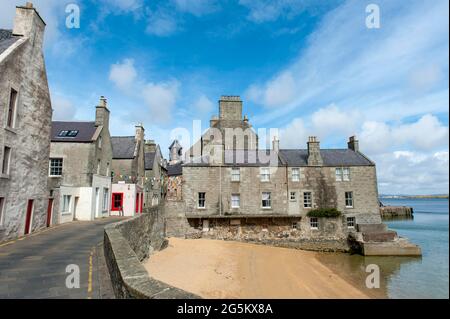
(90, 273)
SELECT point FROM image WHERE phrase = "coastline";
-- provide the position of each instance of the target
(224, 269)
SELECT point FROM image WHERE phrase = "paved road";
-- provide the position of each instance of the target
(35, 266)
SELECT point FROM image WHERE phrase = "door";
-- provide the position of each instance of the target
(49, 212)
(294, 206)
(97, 202)
(75, 207)
(142, 203)
(29, 216)
(117, 202)
(137, 203)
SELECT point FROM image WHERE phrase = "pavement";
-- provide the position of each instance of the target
(34, 267)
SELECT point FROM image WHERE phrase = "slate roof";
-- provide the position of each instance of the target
(175, 169)
(7, 39)
(330, 157)
(289, 157)
(123, 147)
(86, 131)
(149, 159)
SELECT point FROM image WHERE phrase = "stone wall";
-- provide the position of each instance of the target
(29, 139)
(289, 232)
(126, 245)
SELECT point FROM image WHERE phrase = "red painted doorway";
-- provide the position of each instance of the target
(28, 217)
(49, 212)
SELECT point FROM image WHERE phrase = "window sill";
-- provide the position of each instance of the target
(66, 214)
(55, 176)
(314, 228)
(349, 207)
(4, 176)
(266, 208)
(202, 208)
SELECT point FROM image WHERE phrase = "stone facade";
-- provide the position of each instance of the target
(155, 182)
(86, 168)
(25, 130)
(243, 193)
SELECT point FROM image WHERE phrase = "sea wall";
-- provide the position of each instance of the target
(126, 245)
(388, 212)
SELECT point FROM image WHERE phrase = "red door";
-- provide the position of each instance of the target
(28, 217)
(142, 201)
(137, 202)
(117, 202)
(49, 211)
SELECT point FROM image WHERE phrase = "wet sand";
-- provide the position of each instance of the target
(225, 269)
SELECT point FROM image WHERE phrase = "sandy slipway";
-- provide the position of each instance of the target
(225, 269)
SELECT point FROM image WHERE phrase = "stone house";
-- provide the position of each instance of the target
(155, 174)
(25, 122)
(79, 168)
(231, 189)
(128, 169)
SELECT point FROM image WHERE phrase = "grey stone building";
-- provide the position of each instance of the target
(231, 189)
(25, 117)
(128, 167)
(155, 174)
(79, 168)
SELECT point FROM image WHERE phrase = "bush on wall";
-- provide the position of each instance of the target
(324, 212)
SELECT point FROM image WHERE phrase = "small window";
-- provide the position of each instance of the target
(307, 200)
(6, 160)
(295, 225)
(63, 133)
(201, 200)
(2, 209)
(314, 223)
(266, 200)
(66, 133)
(56, 166)
(235, 174)
(12, 108)
(99, 142)
(265, 174)
(235, 201)
(295, 174)
(351, 222)
(346, 174)
(98, 166)
(72, 133)
(293, 196)
(108, 173)
(349, 199)
(66, 203)
(338, 174)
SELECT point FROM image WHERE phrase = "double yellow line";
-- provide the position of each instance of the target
(91, 256)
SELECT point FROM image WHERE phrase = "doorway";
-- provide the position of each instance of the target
(29, 216)
(49, 212)
(75, 208)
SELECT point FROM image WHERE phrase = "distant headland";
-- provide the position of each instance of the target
(385, 196)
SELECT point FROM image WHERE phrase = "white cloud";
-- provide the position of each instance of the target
(160, 99)
(124, 5)
(203, 104)
(161, 23)
(270, 10)
(196, 7)
(123, 74)
(63, 109)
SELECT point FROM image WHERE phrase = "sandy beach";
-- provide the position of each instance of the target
(223, 269)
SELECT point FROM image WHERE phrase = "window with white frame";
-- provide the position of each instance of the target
(2, 209)
(294, 225)
(66, 203)
(6, 160)
(56, 166)
(235, 174)
(266, 200)
(235, 201)
(349, 199)
(307, 200)
(201, 200)
(314, 223)
(338, 174)
(105, 199)
(292, 196)
(351, 222)
(11, 116)
(295, 174)
(346, 174)
(265, 174)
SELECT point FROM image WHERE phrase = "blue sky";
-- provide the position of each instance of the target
(305, 67)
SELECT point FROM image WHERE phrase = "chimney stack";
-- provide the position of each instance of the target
(150, 146)
(276, 144)
(28, 23)
(230, 108)
(314, 157)
(353, 143)
(139, 136)
(102, 113)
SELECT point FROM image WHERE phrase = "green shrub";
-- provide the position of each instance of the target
(324, 212)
